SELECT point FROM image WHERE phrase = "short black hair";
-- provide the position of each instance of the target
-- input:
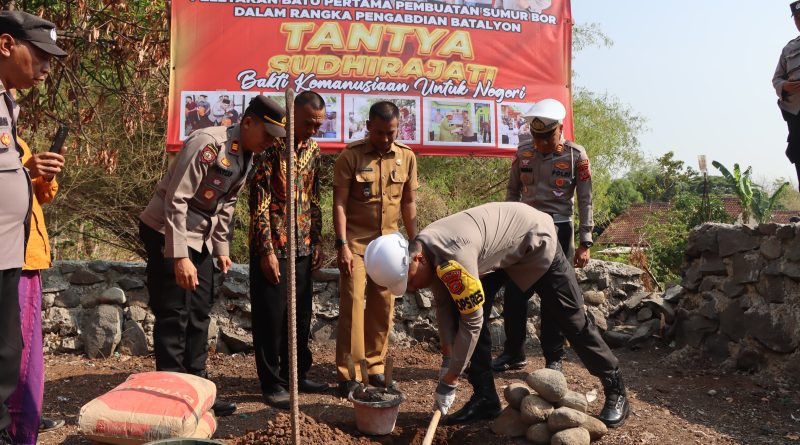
(384, 110)
(414, 247)
(309, 98)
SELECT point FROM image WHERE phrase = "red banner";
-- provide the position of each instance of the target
(463, 73)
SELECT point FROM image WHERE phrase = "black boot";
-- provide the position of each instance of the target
(483, 405)
(506, 361)
(555, 365)
(221, 408)
(616, 408)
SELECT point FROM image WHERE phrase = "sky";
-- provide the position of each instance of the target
(700, 73)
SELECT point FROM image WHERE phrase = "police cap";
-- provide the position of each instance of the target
(544, 116)
(273, 115)
(36, 30)
(795, 7)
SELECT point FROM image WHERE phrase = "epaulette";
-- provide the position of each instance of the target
(527, 145)
(356, 144)
(402, 145)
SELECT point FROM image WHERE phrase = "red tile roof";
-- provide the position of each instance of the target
(626, 229)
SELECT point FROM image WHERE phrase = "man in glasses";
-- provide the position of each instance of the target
(546, 174)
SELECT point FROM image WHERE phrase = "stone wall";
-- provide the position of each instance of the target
(101, 308)
(741, 300)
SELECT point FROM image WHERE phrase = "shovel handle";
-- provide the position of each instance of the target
(364, 373)
(351, 367)
(428, 440)
(388, 371)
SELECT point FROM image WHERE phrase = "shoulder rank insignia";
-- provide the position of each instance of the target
(208, 154)
(235, 147)
(224, 161)
(466, 290)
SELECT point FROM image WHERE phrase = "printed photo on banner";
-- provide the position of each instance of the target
(356, 110)
(512, 128)
(331, 127)
(524, 5)
(455, 122)
(203, 109)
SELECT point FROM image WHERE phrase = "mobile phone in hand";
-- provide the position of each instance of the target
(61, 136)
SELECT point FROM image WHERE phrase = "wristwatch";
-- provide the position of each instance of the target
(339, 242)
(587, 244)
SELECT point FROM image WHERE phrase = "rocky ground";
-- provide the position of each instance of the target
(677, 400)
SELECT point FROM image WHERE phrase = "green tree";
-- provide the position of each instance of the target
(764, 203)
(742, 185)
(621, 194)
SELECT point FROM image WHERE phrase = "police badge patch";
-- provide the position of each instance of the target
(584, 172)
(208, 154)
(5, 139)
(208, 194)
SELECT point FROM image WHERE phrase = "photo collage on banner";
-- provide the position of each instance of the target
(454, 122)
(511, 126)
(356, 108)
(223, 108)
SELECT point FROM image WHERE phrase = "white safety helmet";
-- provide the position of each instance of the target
(545, 115)
(386, 260)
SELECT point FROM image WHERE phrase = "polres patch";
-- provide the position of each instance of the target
(208, 154)
(465, 290)
(452, 280)
(5, 139)
(584, 171)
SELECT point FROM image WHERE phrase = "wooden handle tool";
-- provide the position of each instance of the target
(388, 371)
(364, 373)
(428, 440)
(351, 367)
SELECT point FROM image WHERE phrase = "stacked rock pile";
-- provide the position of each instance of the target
(546, 412)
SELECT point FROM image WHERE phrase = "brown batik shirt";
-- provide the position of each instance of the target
(268, 201)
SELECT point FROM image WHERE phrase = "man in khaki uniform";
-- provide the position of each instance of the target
(546, 173)
(27, 43)
(465, 258)
(189, 220)
(786, 81)
(374, 183)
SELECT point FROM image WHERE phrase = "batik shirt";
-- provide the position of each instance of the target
(268, 201)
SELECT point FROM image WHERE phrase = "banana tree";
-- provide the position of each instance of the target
(764, 204)
(742, 184)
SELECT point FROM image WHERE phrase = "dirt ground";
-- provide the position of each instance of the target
(685, 403)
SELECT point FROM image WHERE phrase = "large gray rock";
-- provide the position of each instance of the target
(54, 283)
(515, 392)
(673, 294)
(234, 290)
(777, 289)
(564, 418)
(660, 306)
(112, 295)
(636, 299)
(61, 321)
(538, 434)
(746, 268)
(692, 278)
(712, 264)
(101, 330)
(83, 276)
(576, 401)
(694, 329)
(509, 424)
(645, 331)
(48, 300)
(134, 340)
(550, 384)
(236, 339)
(572, 436)
(734, 241)
(535, 409)
(136, 313)
(594, 298)
(771, 248)
(732, 321)
(67, 298)
(595, 427)
(127, 283)
(616, 339)
(777, 333)
(424, 298)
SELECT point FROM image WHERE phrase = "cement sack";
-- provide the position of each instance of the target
(149, 406)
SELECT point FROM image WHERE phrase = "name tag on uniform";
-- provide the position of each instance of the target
(365, 169)
(526, 169)
(223, 171)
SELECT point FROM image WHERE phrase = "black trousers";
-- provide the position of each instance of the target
(562, 300)
(479, 372)
(270, 322)
(515, 312)
(180, 333)
(10, 340)
(793, 140)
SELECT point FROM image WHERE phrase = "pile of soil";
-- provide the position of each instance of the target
(279, 432)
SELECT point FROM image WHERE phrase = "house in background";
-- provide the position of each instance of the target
(627, 229)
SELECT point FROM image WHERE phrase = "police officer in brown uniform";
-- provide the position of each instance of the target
(374, 183)
(545, 174)
(27, 43)
(787, 85)
(465, 258)
(189, 220)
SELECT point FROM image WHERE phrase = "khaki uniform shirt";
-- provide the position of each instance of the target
(788, 69)
(15, 184)
(548, 183)
(510, 236)
(376, 182)
(194, 202)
